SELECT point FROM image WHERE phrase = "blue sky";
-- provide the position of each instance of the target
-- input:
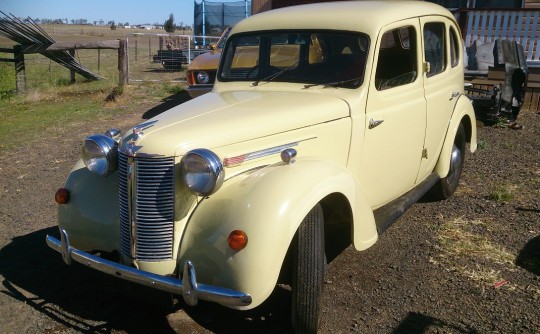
(132, 11)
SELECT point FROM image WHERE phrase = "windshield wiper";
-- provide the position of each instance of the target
(275, 75)
(332, 84)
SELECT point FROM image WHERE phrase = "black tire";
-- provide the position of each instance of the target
(447, 185)
(308, 272)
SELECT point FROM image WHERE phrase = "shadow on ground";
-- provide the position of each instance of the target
(87, 301)
(168, 103)
(529, 257)
(420, 323)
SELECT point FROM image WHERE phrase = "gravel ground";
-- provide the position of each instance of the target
(470, 264)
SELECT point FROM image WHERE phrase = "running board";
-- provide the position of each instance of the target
(389, 213)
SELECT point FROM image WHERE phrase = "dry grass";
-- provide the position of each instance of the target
(461, 241)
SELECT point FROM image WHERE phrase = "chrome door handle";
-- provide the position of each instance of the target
(454, 95)
(374, 123)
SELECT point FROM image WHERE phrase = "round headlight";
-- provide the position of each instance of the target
(202, 171)
(100, 154)
(203, 78)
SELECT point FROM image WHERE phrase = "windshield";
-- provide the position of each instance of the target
(306, 57)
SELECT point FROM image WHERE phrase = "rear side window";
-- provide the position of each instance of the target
(396, 65)
(435, 47)
(454, 48)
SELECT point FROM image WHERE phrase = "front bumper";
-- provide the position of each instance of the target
(188, 287)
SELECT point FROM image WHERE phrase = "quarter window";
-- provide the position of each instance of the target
(434, 48)
(454, 47)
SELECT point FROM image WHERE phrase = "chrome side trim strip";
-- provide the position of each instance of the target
(233, 161)
(188, 287)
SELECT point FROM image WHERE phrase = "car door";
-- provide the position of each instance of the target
(443, 83)
(395, 115)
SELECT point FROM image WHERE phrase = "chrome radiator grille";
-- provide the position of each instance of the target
(146, 198)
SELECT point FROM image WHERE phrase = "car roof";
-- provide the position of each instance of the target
(364, 16)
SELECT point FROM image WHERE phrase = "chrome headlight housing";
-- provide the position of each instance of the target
(100, 154)
(202, 171)
(202, 77)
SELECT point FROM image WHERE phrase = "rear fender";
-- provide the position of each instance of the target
(268, 205)
(463, 113)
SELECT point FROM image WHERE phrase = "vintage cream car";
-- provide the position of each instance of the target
(324, 117)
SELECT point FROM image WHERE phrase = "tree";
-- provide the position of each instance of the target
(113, 26)
(169, 24)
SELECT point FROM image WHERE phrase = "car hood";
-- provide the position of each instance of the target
(220, 119)
(206, 61)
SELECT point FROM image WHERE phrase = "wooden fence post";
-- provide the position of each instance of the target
(19, 69)
(72, 72)
(123, 75)
(136, 47)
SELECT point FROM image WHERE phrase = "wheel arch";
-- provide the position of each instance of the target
(463, 114)
(269, 205)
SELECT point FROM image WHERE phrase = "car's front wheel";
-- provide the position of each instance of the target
(308, 272)
(447, 185)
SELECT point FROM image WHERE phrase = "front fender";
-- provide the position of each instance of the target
(463, 113)
(91, 215)
(268, 205)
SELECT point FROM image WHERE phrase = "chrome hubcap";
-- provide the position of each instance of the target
(455, 162)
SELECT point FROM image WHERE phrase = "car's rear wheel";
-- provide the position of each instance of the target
(447, 185)
(308, 272)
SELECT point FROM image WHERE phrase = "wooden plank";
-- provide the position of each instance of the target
(6, 50)
(496, 73)
(525, 32)
(526, 102)
(532, 51)
(7, 60)
(64, 46)
(531, 99)
(535, 106)
(533, 80)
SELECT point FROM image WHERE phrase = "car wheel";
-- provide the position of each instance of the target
(308, 272)
(447, 185)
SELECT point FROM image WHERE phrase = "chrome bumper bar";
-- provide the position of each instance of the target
(188, 287)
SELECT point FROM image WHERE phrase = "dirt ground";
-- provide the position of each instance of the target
(470, 264)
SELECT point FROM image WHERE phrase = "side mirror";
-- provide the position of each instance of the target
(213, 46)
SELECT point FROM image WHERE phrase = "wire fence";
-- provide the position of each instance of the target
(151, 58)
(163, 57)
(42, 72)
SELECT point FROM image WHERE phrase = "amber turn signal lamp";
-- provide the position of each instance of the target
(237, 240)
(61, 196)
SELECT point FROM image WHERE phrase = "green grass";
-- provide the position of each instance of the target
(482, 144)
(7, 80)
(51, 102)
(42, 113)
(502, 193)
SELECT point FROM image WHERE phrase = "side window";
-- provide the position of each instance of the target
(435, 47)
(454, 47)
(396, 65)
